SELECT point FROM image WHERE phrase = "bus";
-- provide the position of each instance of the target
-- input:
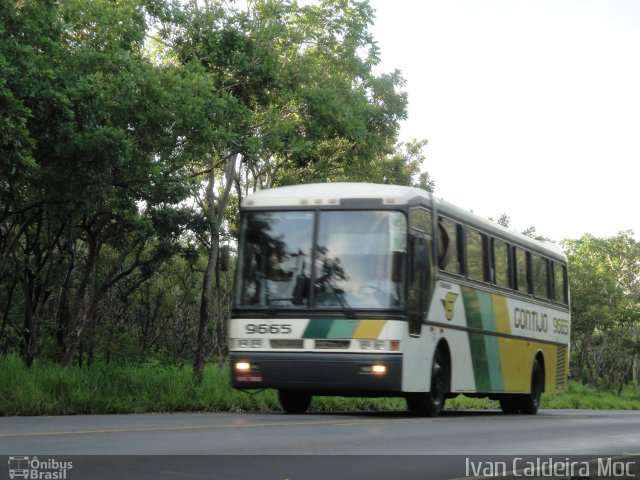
(354, 289)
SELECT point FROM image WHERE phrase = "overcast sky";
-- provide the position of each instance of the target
(530, 108)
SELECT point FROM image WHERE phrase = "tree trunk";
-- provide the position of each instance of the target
(29, 329)
(222, 348)
(583, 359)
(4, 348)
(83, 311)
(30, 279)
(216, 217)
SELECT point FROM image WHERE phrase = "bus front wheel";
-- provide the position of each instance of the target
(293, 401)
(430, 404)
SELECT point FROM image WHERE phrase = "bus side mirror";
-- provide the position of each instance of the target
(224, 258)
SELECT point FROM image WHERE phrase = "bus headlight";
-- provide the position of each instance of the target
(243, 366)
(247, 372)
(376, 369)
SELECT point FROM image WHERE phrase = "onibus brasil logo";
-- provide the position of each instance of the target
(33, 468)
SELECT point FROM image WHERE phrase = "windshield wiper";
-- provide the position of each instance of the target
(339, 293)
(346, 308)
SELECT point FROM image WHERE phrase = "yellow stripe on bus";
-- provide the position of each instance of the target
(517, 373)
(501, 313)
(369, 329)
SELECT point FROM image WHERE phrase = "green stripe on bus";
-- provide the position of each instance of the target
(491, 345)
(472, 308)
(318, 328)
(486, 311)
(493, 358)
(476, 340)
(480, 362)
(485, 350)
(343, 328)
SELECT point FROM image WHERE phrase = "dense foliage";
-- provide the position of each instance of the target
(605, 300)
(130, 130)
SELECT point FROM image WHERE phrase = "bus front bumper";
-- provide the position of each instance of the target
(319, 373)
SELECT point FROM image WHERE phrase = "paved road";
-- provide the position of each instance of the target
(208, 445)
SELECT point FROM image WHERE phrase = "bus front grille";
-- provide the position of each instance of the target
(287, 344)
(332, 344)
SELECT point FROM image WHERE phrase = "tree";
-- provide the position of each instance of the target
(504, 220)
(101, 164)
(295, 97)
(130, 133)
(605, 298)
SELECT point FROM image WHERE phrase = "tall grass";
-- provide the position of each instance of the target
(47, 389)
(585, 397)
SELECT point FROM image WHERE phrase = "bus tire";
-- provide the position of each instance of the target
(527, 403)
(430, 404)
(293, 401)
(531, 402)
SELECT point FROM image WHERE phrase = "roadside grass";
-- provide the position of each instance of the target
(584, 397)
(48, 389)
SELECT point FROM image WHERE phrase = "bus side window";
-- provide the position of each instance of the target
(500, 263)
(559, 284)
(448, 255)
(476, 256)
(522, 277)
(420, 219)
(540, 274)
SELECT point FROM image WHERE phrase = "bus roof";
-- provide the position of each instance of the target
(488, 226)
(318, 194)
(333, 194)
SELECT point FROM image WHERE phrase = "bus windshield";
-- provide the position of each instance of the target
(357, 262)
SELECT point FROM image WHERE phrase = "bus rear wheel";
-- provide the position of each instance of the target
(430, 404)
(293, 401)
(528, 403)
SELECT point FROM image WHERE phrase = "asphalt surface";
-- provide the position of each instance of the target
(375, 445)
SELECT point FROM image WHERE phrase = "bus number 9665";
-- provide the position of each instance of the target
(264, 328)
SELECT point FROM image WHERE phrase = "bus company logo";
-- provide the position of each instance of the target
(32, 468)
(448, 301)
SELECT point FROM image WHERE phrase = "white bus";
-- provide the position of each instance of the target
(378, 290)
